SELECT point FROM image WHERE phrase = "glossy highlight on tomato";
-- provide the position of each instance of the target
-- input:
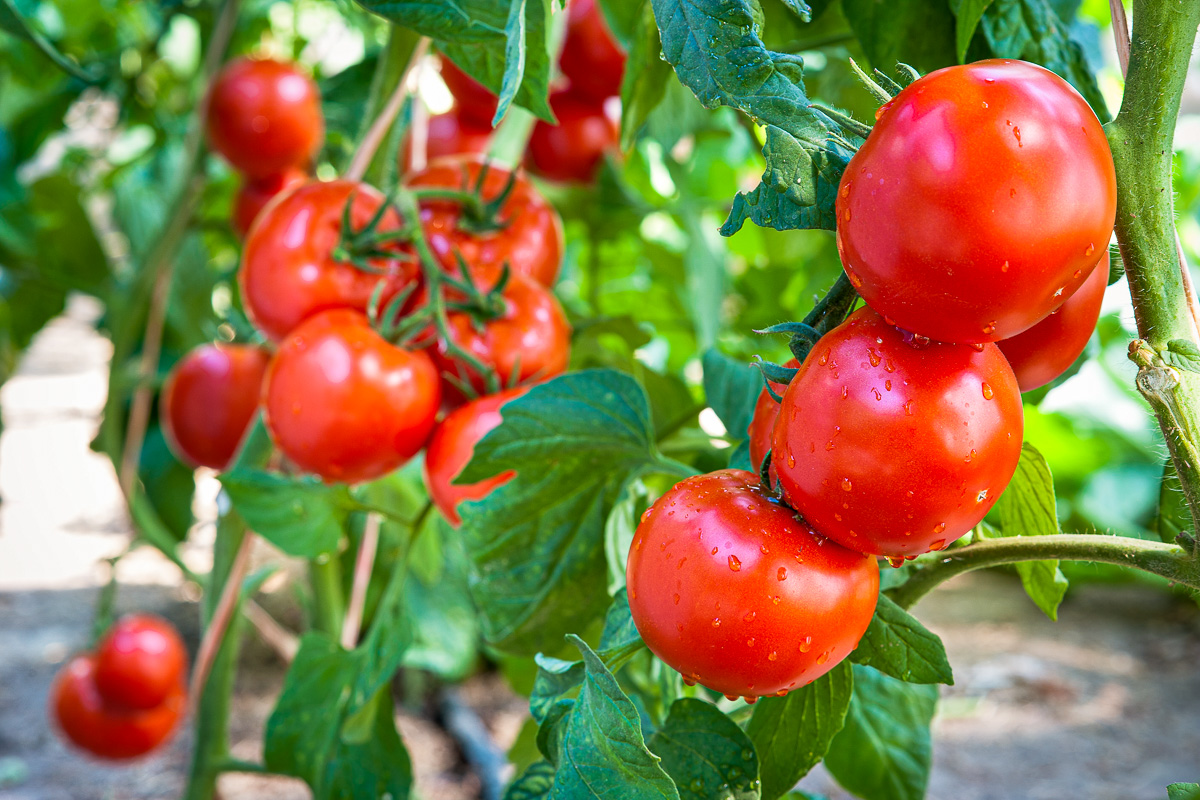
(289, 271)
(474, 101)
(893, 445)
(209, 400)
(343, 403)
(729, 588)
(591, 59)
(572, 150)
(140, 662)
(453, 444)
(1045, 351)
(449, 134)
(979, 203)
(762, 424)
(264, 116)
(253, 196)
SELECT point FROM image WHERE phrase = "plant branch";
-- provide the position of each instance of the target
(214, 633)
(363, 564)
(379, 128)
(278, 638)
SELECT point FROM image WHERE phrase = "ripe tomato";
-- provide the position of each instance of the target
(288, 270)
(528, 237)
(140, 662)
(1043, 352)
(264, 116)
(252, 196)
(452, 446)
(729, 588)
(102, 728)
(209, 401)
(449, 134)
(343, 403)
(590, 59)
(475, 101)
(531, 340)
(893, 445)
(572, 150)
(979, 203)
(762, 424)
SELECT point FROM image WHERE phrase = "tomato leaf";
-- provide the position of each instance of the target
(534, 784)
(300, 515)
(1182, 354)
(537, 542)
(1183, 791)
(792, 733)
(897, 644)
(916, 32)
(884, 752)
(967, 13)
(1027, 509)
(799, 8)
(645, 81)
(732, 388)
(706, 753)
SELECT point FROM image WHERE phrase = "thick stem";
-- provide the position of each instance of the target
(1166, 560)
(329, 603)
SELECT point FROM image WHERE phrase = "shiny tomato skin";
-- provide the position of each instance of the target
(451, 447)
(253, 196)
(1045, 351)
(475, 102)
(140, 662)
(572, 150)
(264, 116)
(209, 401)
(288, 270)
(531, 341)
(343, 403)
(529, 239)
(894, 448)
(731, 589)
(591, 59)
(105, 730)
(449, 134)
(979, 203)
(762, 424)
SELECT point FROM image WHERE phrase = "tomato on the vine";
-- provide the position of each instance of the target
(140, 662)
(253, 196)
(525, 232)
(729, 588)
(209, 401)
(980, 202)
(591, 60)
(475, 101)
(1045, 351)
(105, 729)
(264, 116)
(290, 270)
(762, 424)
(891, 444)
(344, 403)
(449, 134)
(572, 150)
(451, 447)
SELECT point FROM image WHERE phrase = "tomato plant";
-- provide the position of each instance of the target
(572, 150)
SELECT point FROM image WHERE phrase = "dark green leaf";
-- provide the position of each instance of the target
(732, 388)
(897, 644)
(706, 753)
(1183, 791)
(300, 515)
(916, 32)
(884, 751)
(646, 74)
(799, 8)
(792, 733)
(437, 599)
(534, 784)
(968, 14)
(1182, 354)
(169, 484)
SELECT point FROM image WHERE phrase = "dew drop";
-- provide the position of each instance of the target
(873, 357)
(716, 622)
(940, 544)
(1004, 266)
(988, 394)
(985, 105)
(805, 644)
(781, 693)
(824, 359)
(1091, 248)
(791, 461)
(855, 280)
(829, 445)
(1017, 133)
(875, 392)
(1077, 274)
(846, 216)
(689, 682)
(846, 485)
(845, 393)
(1012, 192)
(908, 408)
(764, 549)
(776, 598)
(750, 642)
(714, 551)
(781, 574)
(895, 561)
(970, 456)
(977, 347)
(821, 659)
(887, 385)
(845, 190)
(941, 526)
(749, 617)
(990, 328)
(772, 656)
(735, 563)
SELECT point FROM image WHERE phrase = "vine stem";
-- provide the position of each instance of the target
(379, 128)
(280, 639)
(363, 564)
(214, 633)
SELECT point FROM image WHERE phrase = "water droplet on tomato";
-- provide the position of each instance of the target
(846, 485)
(781, 574)
(855, 280)
(791, 461)
(772, 656)
(845, 190)
(940, 544)
(977, 347)
(1017, 133)
(689, 682)
(990, 328)
(716, 622)
(873, 357)
(764, 549)
(1091, 248)
(875, 392)
(1004, 267)
(988, 394)
(821, 659)
(735, 563)
(887, 385)
(750, 642)
(805, 644)
(941, 526)
(895, 561)
(714, 551)
(908, 408)
(824, 359)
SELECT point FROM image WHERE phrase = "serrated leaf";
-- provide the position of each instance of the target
(731, 388)
(1182, 354)
(534, 784)
(1183, 791)
(1026, 508)
(706, 753)
(646, 74)
(300, 515)
(916, 32)
(897, 644)
(792, 733)
(537, 542)
(884, 752)
(967, 14)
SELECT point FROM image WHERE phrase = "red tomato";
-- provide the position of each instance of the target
(107, 730)
(893, 445)
(264, 117)
(140, 662)
(1043, 352)
(528, 237)
(591, 59)
(449, 134)
(475, 101)
(731, 589)
(452, 446)
(209, 401)
(979, 203)
(531, 341)
(762, 424)
(288, 268)
(572, 150)
(343, 403)
(252, 196)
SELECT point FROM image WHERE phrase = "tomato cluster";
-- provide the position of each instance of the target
(974, 221)
(123, 700)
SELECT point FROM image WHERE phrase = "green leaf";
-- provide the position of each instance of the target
(537, 542)
(300, 515)
(514, 58)
(1182, 354)
(646, 74)
(534, 784)
(1183, 791)
(437, 599)
(792, 733)
(12, 21)
(732, 388)
(897, 644)
(916, 32)
(706, 753)
(799, 8)
(601, 752)
(1027, 509)
(968, 14)
(704, 262)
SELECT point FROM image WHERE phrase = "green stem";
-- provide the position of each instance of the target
(389, 70)
(328, 598)
(1168, 560)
